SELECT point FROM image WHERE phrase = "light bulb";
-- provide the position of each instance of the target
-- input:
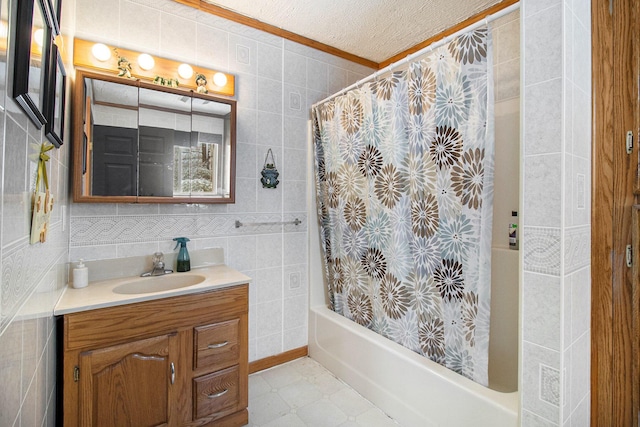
(3, 29)
(219, 79)
(38, 36)
(185, 71)
(146, 61)
(101, 52)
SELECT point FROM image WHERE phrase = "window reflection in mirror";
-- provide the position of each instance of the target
(147, 144)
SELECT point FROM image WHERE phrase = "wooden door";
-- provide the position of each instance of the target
(128, 384)
(156, 166)
(115, 160)
(614, 296)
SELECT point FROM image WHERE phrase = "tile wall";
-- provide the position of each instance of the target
(276, 82)
(32, 275)
(555, 320)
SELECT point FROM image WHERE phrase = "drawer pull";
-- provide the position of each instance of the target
(218, 394)
(218, 345)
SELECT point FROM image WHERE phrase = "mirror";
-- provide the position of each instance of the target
(142, 143)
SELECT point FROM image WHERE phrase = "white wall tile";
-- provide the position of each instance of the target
(542, 174)
(177, 37)
(268, 285)
(247, 126)
(543, 105)
(145, 37)
(541, 311)
(295, 69)
(242, 252)
(269, 133)
(580, 370)
(268, 250)
(269, 95)
(543, 45)
(580, 303)
(538, 365)
(212, 48)
(270, 61)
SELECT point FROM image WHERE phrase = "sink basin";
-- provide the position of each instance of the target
(158, 284)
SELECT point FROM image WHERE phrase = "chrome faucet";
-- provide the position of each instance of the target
(158, 266)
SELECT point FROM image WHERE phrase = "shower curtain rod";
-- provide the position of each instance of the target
(424, 50)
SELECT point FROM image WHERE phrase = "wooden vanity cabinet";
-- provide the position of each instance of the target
(178, 361)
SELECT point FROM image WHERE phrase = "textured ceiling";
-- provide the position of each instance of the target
(372, 29)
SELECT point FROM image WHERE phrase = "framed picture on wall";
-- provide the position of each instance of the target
(54, 100)
(55, 8)
(31, 50)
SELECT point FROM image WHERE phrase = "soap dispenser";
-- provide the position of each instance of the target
(80, 275)
(184, 264)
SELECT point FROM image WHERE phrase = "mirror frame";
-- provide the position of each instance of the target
(79, 142)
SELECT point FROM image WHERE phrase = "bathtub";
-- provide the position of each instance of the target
(409, 388)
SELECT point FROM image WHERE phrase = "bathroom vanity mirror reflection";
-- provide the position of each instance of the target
(137, 142)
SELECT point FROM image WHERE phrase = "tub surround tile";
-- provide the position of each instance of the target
(540, 313)
(580, 370)
(577, 253)
(543, 44)
(540, 388)
(543, 104)
(541, 248)
(542, 204)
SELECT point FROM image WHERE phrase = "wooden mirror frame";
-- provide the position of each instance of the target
(79, 143)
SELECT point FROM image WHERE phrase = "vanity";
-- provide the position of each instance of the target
(170, 356)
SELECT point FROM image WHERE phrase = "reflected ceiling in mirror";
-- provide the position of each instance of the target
(142, 143)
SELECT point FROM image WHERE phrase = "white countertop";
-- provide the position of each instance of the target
(100, 294)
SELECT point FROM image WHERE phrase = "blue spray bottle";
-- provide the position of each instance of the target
(184, 264)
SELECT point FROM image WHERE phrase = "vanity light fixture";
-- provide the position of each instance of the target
(101, 52)
(99, 56)
(4, 30)
(220, 79)
(146, 61)
(185, 71)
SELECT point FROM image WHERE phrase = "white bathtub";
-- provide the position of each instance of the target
(408, 387)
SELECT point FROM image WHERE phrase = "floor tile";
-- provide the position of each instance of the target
(302, 393)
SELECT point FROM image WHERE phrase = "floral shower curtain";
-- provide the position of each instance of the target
(404, 186)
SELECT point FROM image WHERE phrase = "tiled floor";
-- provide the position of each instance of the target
(303, 393)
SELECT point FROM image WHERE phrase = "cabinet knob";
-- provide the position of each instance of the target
(172, 367)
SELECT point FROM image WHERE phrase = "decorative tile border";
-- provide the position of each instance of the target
(114, 229)
(577, 248)
(549, 385)
(24, 266)
(541, 247)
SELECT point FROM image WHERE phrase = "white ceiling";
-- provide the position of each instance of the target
(372, 29)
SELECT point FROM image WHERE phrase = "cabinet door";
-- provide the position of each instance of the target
(128, 384)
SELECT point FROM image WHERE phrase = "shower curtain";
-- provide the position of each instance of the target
(404, 186)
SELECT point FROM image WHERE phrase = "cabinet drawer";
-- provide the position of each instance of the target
(216, 346)
(215, 392)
